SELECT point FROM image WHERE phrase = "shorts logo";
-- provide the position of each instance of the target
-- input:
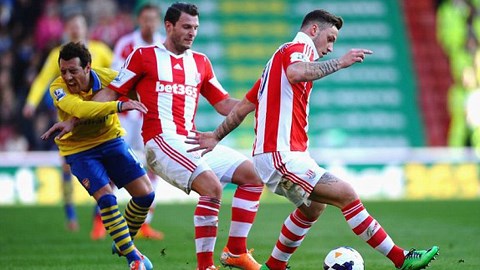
(86, 183)
(59, 94)
(310, 174)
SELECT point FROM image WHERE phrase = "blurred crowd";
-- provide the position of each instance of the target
(458, 30)
(29, 29)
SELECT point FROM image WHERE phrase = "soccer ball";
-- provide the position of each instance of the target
(343, 258)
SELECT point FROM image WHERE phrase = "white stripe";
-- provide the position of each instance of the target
(294, 228)
(164, 65)
(239, 229)
(189, 112)
(251, 206)
(347, 212)
(191, 70)
(279, 255)
(385, 246)
(285, 119)
(288, 242)
(165, 101)
(203, 221)
(205, 244)
(261, 120)
(358, 218)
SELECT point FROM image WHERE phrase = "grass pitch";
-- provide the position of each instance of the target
(33, 237)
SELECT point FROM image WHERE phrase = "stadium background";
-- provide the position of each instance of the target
(384, 124)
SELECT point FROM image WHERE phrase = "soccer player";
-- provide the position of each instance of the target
(95, 150)
(76, 30)
(148, 19)
(169, 79)
(280, 100)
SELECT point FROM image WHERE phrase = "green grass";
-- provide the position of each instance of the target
(34, 237)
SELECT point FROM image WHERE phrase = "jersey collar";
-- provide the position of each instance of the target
(97, 84)
(301, 37)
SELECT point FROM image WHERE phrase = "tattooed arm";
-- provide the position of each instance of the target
(310, 71)
(208, 140)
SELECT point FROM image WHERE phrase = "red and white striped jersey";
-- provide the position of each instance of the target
(127, 43)
(169, 85)
(281, 107)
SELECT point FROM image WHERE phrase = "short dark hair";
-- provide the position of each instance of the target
(176, 9)
(324, 18)
(72, 50)
(147, 6)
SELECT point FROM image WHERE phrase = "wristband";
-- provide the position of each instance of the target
(119, 106)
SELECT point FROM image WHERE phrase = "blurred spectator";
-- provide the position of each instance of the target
(49, 27)
(109, 24)
(458, 29)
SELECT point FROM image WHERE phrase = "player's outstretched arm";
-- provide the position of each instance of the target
(206, 141)
(63, 128)
(106, 94)
(310, 71)
(131, 105)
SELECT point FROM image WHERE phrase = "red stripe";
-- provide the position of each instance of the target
(178, 101)
(289, 175)
(299, 223)
(249, 192)
(363, 226)
(272, 109)
(173, 154)
(205, 231)
(290, 235)
(285, 249)
(352, 209)
(302, 217)
(242, 215)
(377, 238)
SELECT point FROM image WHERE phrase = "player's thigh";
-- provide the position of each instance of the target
(167, 156)
(225, 163)
(334, 191)
(89, 170)
(289, 174)
(122, 165)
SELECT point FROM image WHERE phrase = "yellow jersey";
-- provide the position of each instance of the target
(102, 56)
(98, 120)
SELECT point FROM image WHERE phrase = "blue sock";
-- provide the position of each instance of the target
(70, 212)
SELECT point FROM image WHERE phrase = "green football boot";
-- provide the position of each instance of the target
(419, 259)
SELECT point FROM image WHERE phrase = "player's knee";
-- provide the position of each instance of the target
(144, 201)
(106, 201)
(313, 211)
(348, 195)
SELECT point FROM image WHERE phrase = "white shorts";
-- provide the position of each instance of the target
(131, 121)
(289, 174)
(167, 156)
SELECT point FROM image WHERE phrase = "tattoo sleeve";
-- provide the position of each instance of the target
(328, 179)
(232, 121)
(317, 70)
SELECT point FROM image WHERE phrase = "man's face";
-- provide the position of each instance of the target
(76, 77)
(183, 33)
(76, 29)
(148, 21)
(324, 40)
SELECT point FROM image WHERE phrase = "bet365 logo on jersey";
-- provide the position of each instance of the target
(177, 89)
